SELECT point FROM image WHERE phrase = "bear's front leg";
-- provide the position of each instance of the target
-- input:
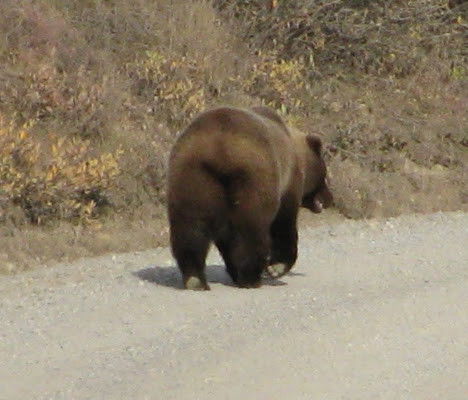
(284, 238)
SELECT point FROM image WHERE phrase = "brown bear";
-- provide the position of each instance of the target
(238, 177)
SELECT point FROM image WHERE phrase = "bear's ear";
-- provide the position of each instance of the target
(315, 144)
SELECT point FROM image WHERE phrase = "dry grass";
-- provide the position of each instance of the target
(24, 246)
(396, 148)
(383, 83)
(386, 88)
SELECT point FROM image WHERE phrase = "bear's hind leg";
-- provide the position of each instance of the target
(190, 247)
(224, 247)
(249, 255)
(254, 206)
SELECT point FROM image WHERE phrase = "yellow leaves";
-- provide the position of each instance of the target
(458, 72)
(278, 82)
(23, 135)
(155, 59)
(54, 177)
(181, 86)
(176, 82)
(58, 145)
(88, 208)
(49, 176)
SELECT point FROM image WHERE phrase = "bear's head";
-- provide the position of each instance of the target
(316, 194)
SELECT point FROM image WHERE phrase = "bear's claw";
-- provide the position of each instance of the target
(277, 270)
(194, 283)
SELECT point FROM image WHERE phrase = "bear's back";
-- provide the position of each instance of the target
(229, 139)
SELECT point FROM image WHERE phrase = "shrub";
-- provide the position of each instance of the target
(52, 176)
(279, 83)
(382, 82)
(375, 37)
(174, 85)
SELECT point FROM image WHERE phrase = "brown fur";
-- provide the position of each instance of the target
(237, 177)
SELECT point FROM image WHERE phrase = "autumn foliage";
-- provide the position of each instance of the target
(93, 94)
(54, 176)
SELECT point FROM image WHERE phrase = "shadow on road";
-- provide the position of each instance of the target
(170, 276)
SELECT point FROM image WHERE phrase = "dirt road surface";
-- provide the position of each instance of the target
(373, 310)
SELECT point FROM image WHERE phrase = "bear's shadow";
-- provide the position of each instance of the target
(170, 276)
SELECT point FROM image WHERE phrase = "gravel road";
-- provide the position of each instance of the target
(373, 310)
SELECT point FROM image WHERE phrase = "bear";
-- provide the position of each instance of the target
(237, 177)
